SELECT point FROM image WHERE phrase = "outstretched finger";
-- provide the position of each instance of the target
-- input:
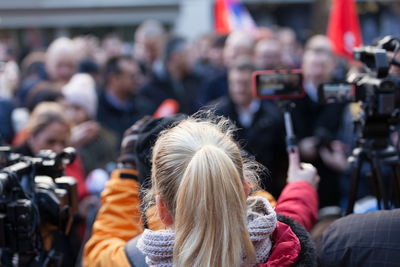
(308, 166)
(294, 159)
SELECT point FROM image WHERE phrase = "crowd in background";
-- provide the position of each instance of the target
(85, 92)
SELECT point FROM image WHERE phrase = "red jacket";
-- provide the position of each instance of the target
(299, 201)
(75, 169)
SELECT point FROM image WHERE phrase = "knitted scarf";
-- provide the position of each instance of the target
(158, 246)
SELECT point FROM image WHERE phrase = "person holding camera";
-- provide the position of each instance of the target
(48, 129)
(317, 125)
(200, 186)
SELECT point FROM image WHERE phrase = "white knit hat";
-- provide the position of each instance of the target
(81, 91)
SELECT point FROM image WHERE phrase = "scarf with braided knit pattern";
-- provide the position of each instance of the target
(158, 246)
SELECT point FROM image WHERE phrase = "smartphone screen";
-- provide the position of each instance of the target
(278, 84)
(335, 93)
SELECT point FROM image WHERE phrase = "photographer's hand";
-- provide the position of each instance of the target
(127, 158)
(335, 158)
(301, 171)
(308, 147)
(299, 198)
(84, 133)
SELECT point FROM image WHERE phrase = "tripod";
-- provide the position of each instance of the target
(376, 153)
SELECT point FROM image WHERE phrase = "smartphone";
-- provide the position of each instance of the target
(336, 93)
(278, 84)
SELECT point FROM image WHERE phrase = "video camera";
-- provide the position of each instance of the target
(376, 90)
(34, 199)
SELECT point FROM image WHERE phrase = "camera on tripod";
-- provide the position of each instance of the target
(377, 92)
(34, 199)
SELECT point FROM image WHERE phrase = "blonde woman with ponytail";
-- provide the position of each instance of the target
(197, 177)
(200, 184)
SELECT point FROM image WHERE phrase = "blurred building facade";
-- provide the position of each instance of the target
(38, 21)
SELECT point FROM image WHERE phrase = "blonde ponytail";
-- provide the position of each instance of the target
(210, 214)
(198, 172)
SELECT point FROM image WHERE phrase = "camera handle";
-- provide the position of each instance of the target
(50, 258)
(286, 106)
(290, 137)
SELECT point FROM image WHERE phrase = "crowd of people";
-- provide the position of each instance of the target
(99, 98)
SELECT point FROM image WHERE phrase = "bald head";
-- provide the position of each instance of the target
(238, 43)
(267, 54)
(61, 60)
(149, 41)
(319, 43)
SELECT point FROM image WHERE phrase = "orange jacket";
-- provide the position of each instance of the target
(119, 220)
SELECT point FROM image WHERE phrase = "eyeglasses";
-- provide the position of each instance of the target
(320, 50)
(131, 75)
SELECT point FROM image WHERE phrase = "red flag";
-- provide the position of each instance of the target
(232, 15)
(344, 28)
(221, 17)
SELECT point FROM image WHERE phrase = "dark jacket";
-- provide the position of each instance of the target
(314, 119)
(186, 92)
(118, 120)
(265, 139)
(323, 121)
(6, 129)
(215, 87)
(370, 239)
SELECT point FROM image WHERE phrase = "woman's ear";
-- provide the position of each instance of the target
(164, 214)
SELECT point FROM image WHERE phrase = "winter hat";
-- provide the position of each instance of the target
(147, 137)
(81, 91)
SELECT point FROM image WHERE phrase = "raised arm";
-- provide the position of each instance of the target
(299, 198)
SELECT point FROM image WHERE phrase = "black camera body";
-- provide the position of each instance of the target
(34, 197)
(377, 91)
(374, 58)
